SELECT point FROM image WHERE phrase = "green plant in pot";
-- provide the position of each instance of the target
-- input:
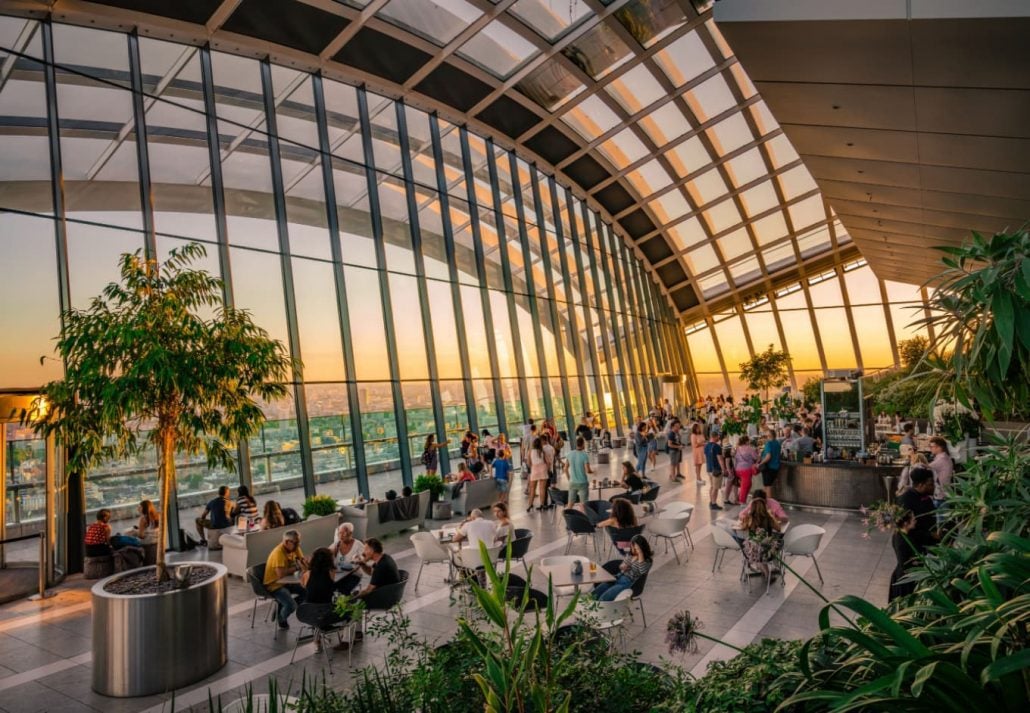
(766, 370)
(432, 483)
(319, 506)
(159, 361)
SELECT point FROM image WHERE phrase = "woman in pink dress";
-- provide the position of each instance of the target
(697, 446)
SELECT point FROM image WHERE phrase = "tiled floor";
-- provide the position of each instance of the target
(45, 646)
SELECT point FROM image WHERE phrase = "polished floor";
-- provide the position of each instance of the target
(45, 646)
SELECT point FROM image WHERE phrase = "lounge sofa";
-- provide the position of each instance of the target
(246, 550)
(473, 494)
(387, 517)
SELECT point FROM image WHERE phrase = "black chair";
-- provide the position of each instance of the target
(388, 596)
(623, 535)
(576, 524)
(256, 577)
(558, 497)
(520, 546)
(651, 495)
(612, 568)
(632, 497)
(317, 617)
(597, 510)
(518, 587)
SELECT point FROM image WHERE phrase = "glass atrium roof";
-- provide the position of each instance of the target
(638, 104)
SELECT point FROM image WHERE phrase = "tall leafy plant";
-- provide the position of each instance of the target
(980, 318)
(158, 361)
(766, 370)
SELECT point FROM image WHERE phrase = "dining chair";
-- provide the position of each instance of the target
(803, 541)
(669, 527)
(430, 550)
(576, 524)
(612, 568)
(256, 577)
(724, 542)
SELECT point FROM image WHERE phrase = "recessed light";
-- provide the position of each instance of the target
(836, 106)
(850, 143)
(861, 171)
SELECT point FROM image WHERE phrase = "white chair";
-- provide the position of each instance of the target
(565, 561)
(429, 550)
(803, 541)
(723, 542)
(669, 527)
(681, 509)
(470, 558)
(610, 616)
(677, 506)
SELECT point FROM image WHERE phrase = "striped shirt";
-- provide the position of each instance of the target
(635, 569)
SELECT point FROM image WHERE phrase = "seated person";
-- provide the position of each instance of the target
(98, 535)
(622, 515)
(346, 551)
(287, 558)
(391, 495)
(773, 506)
(918, 499)
(761, 544)
(474, 529)
(505, 529)
(636, 565)
(217, 515)
(246, 506)
(406, 491)
(146, 529)
(319, 587)
(273, 516)
(463, 475)
(630, 480)
(383, 572)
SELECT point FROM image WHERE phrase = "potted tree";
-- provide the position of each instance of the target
(766, 370)
(158, 361)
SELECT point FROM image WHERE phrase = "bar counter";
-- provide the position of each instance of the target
(836, 484)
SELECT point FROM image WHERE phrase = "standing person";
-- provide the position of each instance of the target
(537, 474)
(745, 461)
(286, 559)
(503, 447)
(578, 468)
(769, 463)
(246, 505)
(551, 455)
(502, 474)
(716, 466)
(652, 443)
(585, 431)
(675, 450)
(906, 555)
(431, 454)
(908, 437)
(217, 516)
(640, 446)
(943, 470)
(697, 448)
(488, 450)
(636, 565)
(528, 436)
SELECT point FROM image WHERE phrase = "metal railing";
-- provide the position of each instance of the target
(42, 557)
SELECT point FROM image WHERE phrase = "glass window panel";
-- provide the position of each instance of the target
(396, 225)
(385, 139)
(770, 228)
(418, 417)
(486, 406)
(735, 244)
(498, 49)
(873, 340)
(438, 21)
(649, 21)
(759, 199)
(455, 412)
(795, 182)
(826, 293)
(636, 89)
(512, 407)
(807, 212)
(814, 241)
(367, 331)
(536, 398)
(863, 287)
(763, 118)
(434, 252)
(378, 430)
(714, 284)
(295, 109)
(779, 256)
(688, 157)
(623, 148)
(711, 384)
(649, 178)
(781, 151)
(710, 98)
(527, 336)
(730, 134)
(331, 438)
(30, 267)
(341, 109)
(797, 329)
(502, 335)
(591, 117)
(550, 19)
(318, 321)
(746, 168)
(670, 206)
(732, 342)
(745, 271)
(665, 124)
(688, 233)
(475, 330)
(550, 85)
(836, 337)
(707, 187)
(761, 324)
(258, 288)
(722, 216)
(25, 149)
(547, 333)
(407, 320)
(702, 352)
(701, 259)
(597, 51)
(685, 59)
(445, 331)
(275, 454)
(906, 307)
(747, 87)
(357, 246)
(557, 402)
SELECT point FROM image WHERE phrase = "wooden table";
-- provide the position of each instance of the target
(561, 576)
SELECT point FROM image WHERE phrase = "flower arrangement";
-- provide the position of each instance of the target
(681, 633)
(882, 516)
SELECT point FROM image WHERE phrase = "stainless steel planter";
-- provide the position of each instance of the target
(153, 643)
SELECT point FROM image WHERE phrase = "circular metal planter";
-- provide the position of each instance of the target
(153, 643)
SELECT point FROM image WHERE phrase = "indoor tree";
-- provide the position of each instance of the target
(766, 370)
(158, 360)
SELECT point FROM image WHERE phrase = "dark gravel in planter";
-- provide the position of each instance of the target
(145, 582)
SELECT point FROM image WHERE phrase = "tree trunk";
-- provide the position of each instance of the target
(166, 460)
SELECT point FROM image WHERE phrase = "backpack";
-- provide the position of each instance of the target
(426, 457)
(290, 516)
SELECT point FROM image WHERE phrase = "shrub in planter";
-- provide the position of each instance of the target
(758, 679)
(432, 483)
(319, 505)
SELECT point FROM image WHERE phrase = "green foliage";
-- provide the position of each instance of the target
(348, 607)
(911, 351)
(319, 505)
(811, 393)
(980, 315)
(757, 680)
(157, 360)
(766, 370)
(432, 483)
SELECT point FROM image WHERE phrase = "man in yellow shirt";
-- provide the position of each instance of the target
(286, 559)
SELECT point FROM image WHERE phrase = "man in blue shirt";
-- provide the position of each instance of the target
(716, 466)
(216, 518)
(769, 463)
(502, 475)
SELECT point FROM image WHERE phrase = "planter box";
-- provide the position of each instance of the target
(153, 643)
